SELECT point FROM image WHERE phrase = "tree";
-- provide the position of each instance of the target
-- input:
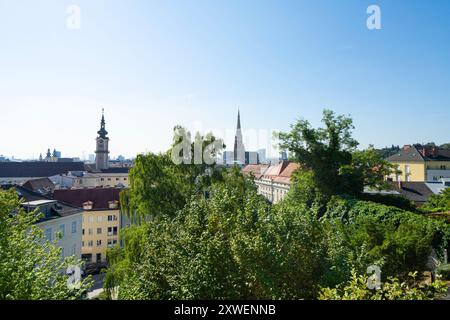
(438, 202)
(331, 156)
(163, 183)
(324, 150)
(31, 268)
(372, 169)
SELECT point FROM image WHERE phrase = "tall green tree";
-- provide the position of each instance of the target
(331, 156)
(31, 268)
(163, 183)
(323, 150)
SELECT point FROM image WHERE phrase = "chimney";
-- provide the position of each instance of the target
(435, 152)
(88, 205)
(406, 147)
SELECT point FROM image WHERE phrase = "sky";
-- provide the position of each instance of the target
(156, 64)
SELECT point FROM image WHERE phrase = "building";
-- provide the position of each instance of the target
(43, 186)
(418, 163)
(272, 181)
(20, 172)
(101, 219)
(417, 192)
(102, 150)
(262, 155)
(106, 178)
(57, 217)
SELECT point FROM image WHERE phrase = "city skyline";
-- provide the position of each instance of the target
(154, 65)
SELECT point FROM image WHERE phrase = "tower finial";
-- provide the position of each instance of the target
(102, 132)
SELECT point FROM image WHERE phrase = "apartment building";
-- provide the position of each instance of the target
(60, 222)
(418, 163)
(273, 181)
(101, 219)
(105, 178)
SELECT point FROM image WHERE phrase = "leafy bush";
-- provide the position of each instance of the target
(372, 233)
(391, 200)
(438, 203)
(411, 289)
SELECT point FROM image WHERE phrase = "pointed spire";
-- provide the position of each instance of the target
(239, 119)
(102, 132)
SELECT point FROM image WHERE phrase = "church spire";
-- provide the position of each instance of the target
(239, 120)
(102, 132)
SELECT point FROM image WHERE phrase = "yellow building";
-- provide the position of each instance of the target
(101, 219)
(417, 163)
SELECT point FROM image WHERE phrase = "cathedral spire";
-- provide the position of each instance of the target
(239, 120)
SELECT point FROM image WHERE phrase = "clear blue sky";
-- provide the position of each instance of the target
(155, 64)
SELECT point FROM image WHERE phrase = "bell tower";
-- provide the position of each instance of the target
(102, 150)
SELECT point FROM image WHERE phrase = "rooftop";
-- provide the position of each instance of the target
(419, 153)
(37, 169)
(100, 197)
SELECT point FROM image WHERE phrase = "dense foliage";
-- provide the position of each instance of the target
(31, 268)
(393, 289)
(438, 203)
(219, 239)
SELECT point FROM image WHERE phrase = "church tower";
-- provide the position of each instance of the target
(102, 151)
(239, 150)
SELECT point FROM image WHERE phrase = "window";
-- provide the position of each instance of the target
(99, 219)
(91, 219)
(443, 167)
(83, 232)
(112, 218)
(91, 232)
(99, 257)
(74, 249)
(62, 230)
(407, 169)
(111, 242)
(48, 234)
(99, 230)
(99, 243)
(117, 179)
(90, 243)
(112, 231)
(82, 243)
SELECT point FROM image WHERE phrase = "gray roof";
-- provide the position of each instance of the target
(56, 209)
(411, 154)
(37, 169)
(414, 154)
(417, 192)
